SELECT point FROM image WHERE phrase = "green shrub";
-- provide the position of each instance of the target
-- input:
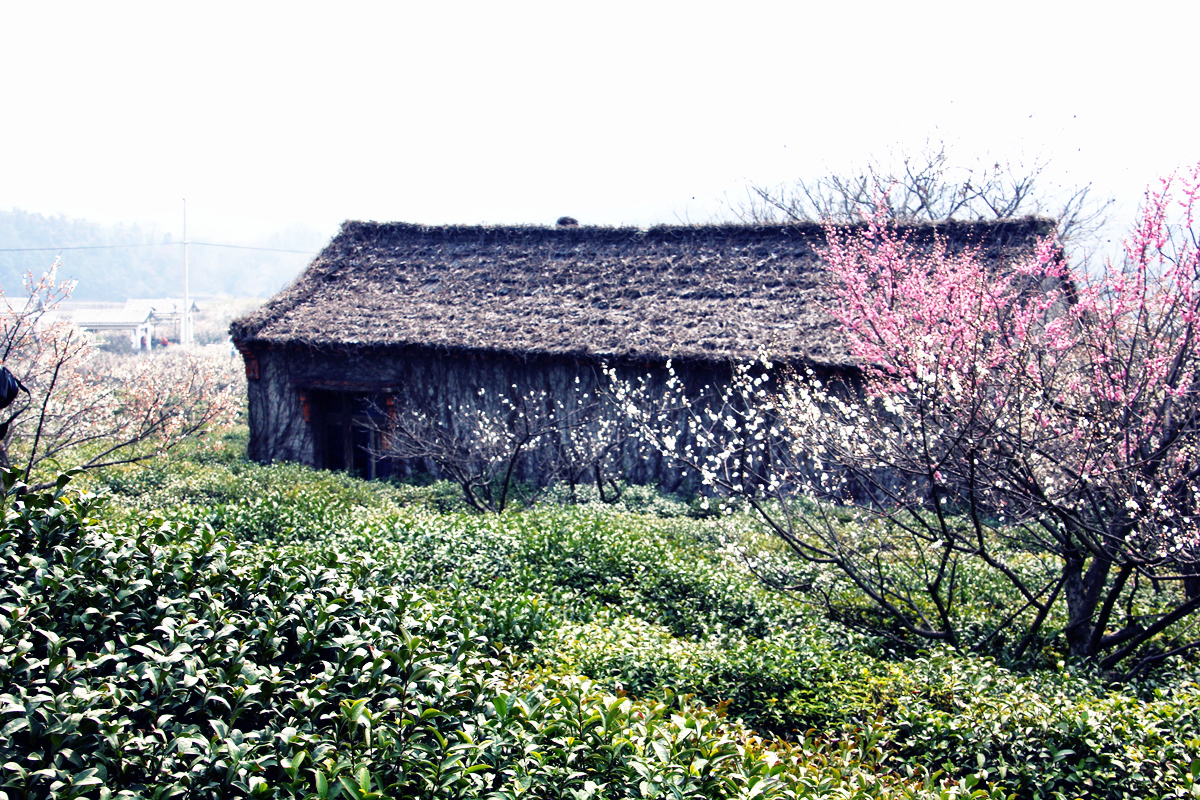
(652, 608)
(160, 658)
(145, 657)
(781, 685)
(1047, 734)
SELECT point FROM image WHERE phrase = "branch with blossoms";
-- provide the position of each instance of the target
(492, 444)
(753, 438)
(1025, 408)
(1058, 404)
(86, 411)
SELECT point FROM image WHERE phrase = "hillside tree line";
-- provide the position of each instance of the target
(123, 261)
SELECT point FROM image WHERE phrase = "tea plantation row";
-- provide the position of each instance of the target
(220, 629)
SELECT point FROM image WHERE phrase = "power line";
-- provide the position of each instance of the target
(245, 247)
(82, 247)
(153, 244)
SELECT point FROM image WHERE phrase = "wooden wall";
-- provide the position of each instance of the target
(294, 396)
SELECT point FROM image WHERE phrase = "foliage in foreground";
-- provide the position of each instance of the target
(371, 644)
(160, 660)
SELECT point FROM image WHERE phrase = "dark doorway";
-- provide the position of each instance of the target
(346, 428)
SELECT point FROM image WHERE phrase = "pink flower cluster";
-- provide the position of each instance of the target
(1049, 389)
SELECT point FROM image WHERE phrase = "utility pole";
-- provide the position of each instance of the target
(185, 320)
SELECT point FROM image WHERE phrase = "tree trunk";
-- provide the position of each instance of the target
(1084, 585)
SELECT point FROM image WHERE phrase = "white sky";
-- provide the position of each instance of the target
(268, 114)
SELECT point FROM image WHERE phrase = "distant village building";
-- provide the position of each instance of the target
(147, 322)
(138, 324)
(390, 317)
(165, 312)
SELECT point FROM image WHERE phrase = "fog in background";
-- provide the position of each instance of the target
(278, 121)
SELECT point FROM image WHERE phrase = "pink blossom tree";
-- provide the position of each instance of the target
(81, 410)
(1037, 421)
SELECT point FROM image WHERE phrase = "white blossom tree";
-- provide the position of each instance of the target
(492, 444)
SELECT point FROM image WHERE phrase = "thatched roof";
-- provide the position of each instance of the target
(692, 292)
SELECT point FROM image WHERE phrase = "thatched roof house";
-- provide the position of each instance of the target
(442, 312)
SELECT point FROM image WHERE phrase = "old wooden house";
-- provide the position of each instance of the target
(394, 321)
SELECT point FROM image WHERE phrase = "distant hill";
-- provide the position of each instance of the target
(152, 266)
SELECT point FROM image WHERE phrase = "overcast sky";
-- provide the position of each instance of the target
(265, 115)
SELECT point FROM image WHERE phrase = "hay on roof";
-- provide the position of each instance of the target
(700, 293)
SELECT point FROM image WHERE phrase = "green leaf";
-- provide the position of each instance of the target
(12, 727)
(219, 728)
(351, 788)
(354, 709)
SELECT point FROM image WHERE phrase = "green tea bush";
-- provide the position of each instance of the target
(1046, 734)
(145, 657)
(639, 617)
(782, 684)
(164, 660)
(197, 480)
(653, 569)
(632, 498)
